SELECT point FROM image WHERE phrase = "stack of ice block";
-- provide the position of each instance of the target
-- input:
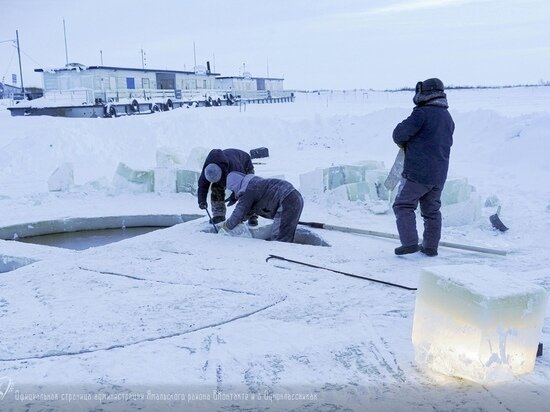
(320, 180)
(134, 180)
(477, 323)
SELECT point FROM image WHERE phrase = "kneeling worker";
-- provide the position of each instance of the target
(270, 198)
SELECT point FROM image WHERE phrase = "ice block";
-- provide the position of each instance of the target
(477, 322)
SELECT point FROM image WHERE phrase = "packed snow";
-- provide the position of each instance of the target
(184, 319)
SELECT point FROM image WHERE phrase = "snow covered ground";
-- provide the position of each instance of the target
(169, 318)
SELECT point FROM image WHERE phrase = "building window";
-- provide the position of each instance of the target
(130, 83)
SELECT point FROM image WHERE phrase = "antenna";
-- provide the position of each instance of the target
(194, 54)
(143, 59)
(65, 35)
(20, 69)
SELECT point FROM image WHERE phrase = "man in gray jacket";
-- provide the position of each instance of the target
(270, 198)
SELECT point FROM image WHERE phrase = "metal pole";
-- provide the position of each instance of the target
(142, 64)
(211, 221)
(101, 56)
(20, 69)
(394, 236)
(194, 56)
(65, 35)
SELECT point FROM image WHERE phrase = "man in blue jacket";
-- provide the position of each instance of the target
(218, 164)
(426, 136)
(270, 198)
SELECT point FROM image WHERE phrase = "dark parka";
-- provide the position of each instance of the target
(427, 137)
(229, 160)
(258, 196)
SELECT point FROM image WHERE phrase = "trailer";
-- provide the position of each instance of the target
(86, 103)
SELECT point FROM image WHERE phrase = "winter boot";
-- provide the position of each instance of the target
(253, 221)
(428, 251)
(405, 250)
(217, 219)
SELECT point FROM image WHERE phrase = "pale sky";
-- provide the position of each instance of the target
(336, 44)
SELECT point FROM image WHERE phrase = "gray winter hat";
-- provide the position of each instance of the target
(213, 173)
(430, 85)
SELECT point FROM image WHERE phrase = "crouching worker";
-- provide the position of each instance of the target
(218, 164)
(270, 198)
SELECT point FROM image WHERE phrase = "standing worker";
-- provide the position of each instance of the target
(426, 136)
(218, 164)
(270, 198)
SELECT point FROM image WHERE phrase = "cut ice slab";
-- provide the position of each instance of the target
(477, 323)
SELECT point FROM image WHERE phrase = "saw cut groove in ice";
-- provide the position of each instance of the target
(477, 323)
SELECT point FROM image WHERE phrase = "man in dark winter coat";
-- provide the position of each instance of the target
(270, 198)
(426, 136)
(218, 164)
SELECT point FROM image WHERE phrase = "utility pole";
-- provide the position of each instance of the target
(65, 35)
(195, 55)
(142, 59)
(20, 69)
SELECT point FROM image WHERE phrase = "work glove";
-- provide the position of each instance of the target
(231, 200)
(203, 205)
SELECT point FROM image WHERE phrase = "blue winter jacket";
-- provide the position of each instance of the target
(229, 160)
(427, 137)
(256, 196)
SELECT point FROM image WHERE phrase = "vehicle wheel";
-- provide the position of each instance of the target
(135, 106)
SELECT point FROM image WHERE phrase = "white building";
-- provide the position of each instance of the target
(247, 83)
(107, 81)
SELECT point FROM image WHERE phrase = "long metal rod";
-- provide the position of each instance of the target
(211, 221)
(20, 69)
(394, 236)
(340, 272)
(65, 36)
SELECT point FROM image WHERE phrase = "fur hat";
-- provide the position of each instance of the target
(430, 85)
(213, 173)
(430, 91)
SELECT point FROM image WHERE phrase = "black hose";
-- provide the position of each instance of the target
(342, 273)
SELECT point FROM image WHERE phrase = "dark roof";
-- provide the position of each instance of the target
(124, 68)
(248, 78)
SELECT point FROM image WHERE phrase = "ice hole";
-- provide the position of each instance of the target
(302, 236)
(84, 233)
